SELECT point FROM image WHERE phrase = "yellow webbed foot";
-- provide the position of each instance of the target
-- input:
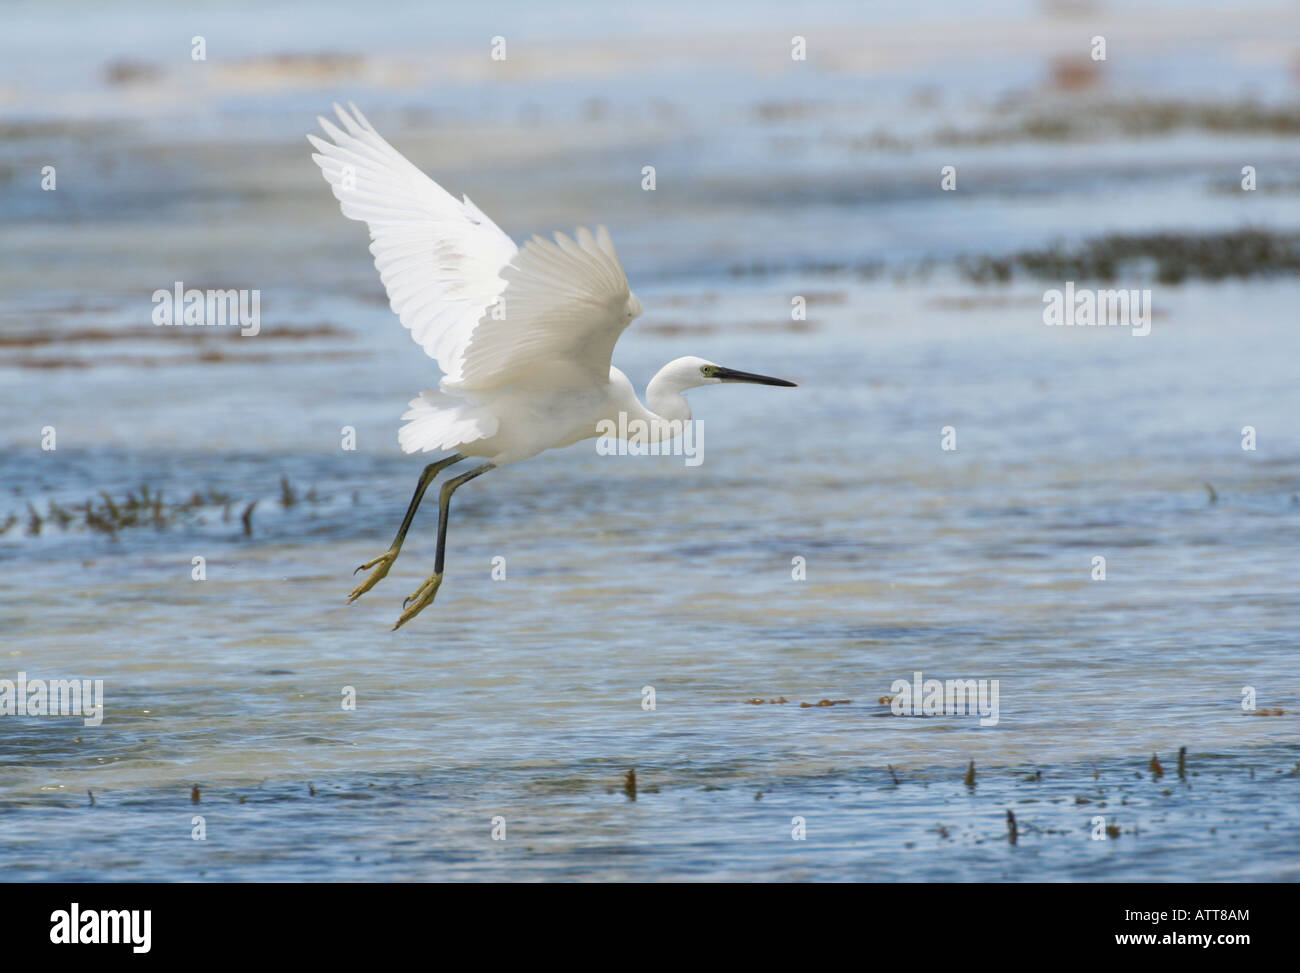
(419, 601)
(381, 565)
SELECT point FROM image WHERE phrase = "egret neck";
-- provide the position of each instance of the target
(664, 396)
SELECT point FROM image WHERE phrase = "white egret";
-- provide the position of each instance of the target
(524, 336)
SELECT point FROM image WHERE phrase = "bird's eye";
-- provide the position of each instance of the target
(707, 370)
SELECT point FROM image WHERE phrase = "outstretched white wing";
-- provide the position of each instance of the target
(439, 258)
(564, 306)
(561, 305)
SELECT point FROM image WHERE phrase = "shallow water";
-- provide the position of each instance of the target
(522, 698)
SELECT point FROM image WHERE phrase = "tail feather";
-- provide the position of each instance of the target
(438, 421)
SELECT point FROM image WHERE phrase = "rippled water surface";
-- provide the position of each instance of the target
(521, 698)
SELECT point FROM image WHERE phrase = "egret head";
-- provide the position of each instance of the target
(691, 372)
(664, 393)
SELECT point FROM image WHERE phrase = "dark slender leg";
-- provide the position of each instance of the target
(385, 561)
(444, 508)
(427, 477)
(423, 596)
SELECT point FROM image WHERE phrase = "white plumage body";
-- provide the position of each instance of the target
(540, 418)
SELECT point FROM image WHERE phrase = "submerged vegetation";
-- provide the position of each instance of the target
(1169, 258)
(104, 514)
(1139, 118)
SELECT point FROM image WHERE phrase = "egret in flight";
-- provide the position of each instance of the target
(524, 335)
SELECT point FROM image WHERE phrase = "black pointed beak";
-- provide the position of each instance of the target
(731, 375)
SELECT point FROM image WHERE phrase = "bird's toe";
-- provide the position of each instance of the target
(381, 565)
(419, 601)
